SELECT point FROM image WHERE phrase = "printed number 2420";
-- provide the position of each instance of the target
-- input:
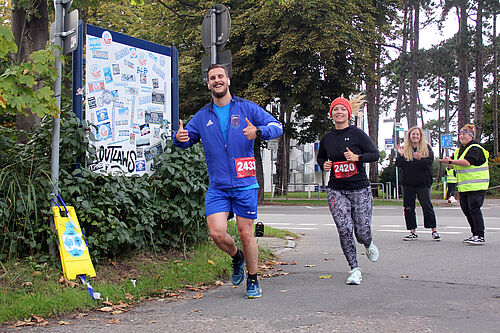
(344, 167)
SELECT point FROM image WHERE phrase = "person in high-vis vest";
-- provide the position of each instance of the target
(471, 163)
(451, 184)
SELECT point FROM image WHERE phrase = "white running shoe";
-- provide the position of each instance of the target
(452, 200)
(372, 252)
(355, 277)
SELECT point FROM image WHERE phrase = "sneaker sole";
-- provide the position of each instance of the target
(410, 240)
(436, 239)
(475, 243)
(254, 296)
(353, 283)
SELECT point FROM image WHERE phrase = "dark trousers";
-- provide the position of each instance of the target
(450, 189)
(471, 203)
(424, 197)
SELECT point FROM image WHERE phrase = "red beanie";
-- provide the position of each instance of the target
(341, 101)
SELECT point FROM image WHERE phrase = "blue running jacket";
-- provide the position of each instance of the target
(223, 159)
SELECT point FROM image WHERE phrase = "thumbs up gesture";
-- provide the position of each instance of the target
(350, 156)
(250, 131)
(182, 134)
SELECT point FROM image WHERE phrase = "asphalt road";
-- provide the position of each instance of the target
(420, 286)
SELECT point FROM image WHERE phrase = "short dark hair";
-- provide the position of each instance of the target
(212, 66)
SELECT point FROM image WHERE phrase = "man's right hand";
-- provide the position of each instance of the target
(182, 134)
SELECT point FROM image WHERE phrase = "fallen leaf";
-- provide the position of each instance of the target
(152, 321)
(177, 261)
(106, 309)
(219, 283)
(309, 265)
(325, 253)
(326, 276)
(328, 259)
(63, 322)
(113, 263)
(293, 263)
(404, 276)
(129, 297)
(211, 262)
(114, 321)
(284, 291)
(27, 284)
(198, 296)
(80, 315)
(72, 284)
(195, 310)
(117, 312)
(37, 273)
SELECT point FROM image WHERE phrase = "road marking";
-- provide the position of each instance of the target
(423, 232)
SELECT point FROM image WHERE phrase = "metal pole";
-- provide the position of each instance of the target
(56, 124)
(78, 74)
(396, 136)
(271, 174)
(213, 35)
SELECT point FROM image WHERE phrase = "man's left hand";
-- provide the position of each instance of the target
(250, 131)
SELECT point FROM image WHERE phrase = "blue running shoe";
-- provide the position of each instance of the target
(253, 289)
(238, 272)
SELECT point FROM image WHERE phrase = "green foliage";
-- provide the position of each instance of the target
(26, 87)
(494, 167)
(117, 214)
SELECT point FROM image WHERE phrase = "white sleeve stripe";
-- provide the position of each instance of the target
(275, 124)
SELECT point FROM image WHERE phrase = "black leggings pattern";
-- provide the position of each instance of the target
(352, 210)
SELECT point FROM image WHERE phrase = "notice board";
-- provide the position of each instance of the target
(131, 98)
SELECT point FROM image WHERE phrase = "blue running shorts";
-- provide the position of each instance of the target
(240, 202)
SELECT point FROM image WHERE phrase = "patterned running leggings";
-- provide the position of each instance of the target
(352, 209)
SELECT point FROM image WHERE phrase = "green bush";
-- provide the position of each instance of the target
(118, 214)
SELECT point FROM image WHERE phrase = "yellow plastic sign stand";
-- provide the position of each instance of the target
(75, 257)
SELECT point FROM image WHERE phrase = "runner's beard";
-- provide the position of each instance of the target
(219, 94)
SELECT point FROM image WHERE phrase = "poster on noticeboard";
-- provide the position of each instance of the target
(131, 99)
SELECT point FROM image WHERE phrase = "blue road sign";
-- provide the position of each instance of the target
(446, 141)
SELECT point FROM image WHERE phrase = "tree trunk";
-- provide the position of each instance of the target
(283, 154)
(372, 115)
(30, 34)
(478, 114)
(260, 169)
(495, 86)
(412, 112)
(463, 71)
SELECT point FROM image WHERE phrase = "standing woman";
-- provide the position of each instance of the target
(415, 161)
(471, 163)
(344, 151)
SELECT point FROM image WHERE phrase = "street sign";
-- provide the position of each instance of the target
(399, 129)
(223, 58)
(70, 33)
(272, 144)
(223, 27)
(446, 141)
(389, 143)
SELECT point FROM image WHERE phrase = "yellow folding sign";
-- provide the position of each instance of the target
(75, 257)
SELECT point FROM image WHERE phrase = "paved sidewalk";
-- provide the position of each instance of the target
(277, 245)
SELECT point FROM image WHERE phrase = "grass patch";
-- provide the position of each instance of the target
(29, 288)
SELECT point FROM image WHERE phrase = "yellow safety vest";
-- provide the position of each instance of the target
(472, 178)
(450, 176)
